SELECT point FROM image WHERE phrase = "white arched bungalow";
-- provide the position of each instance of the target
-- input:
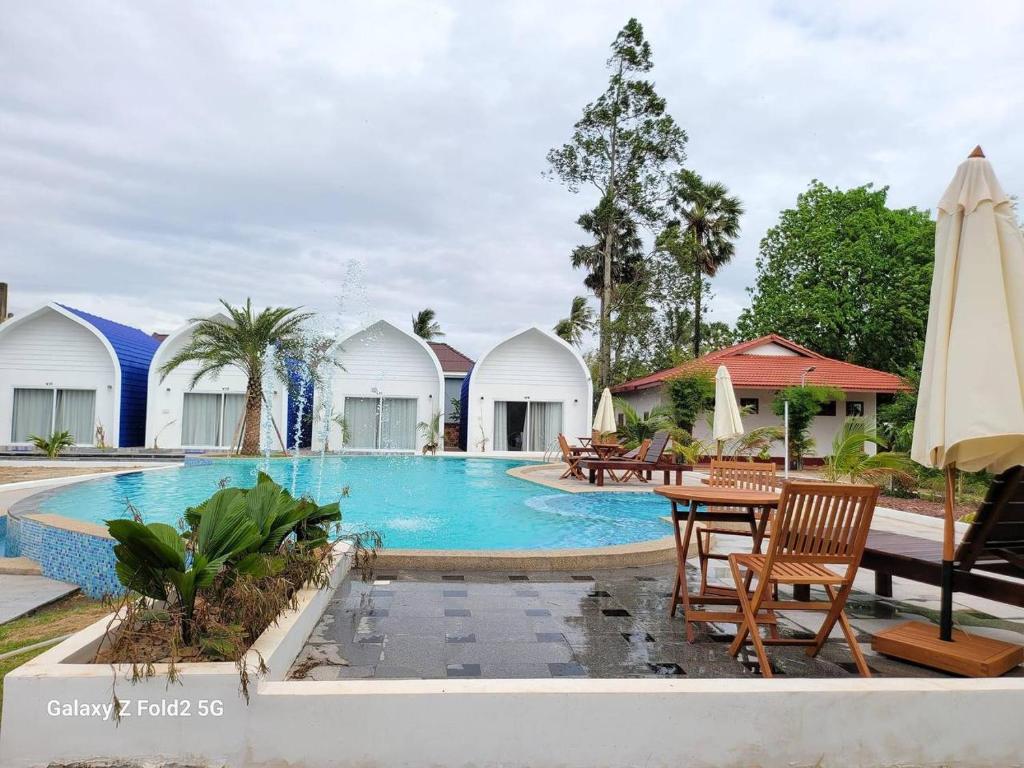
(386, 381)
(524, 391)
(208, 415)
(65, 369)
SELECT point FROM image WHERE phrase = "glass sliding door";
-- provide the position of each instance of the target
(362, 420)
(200, 420)
(76, 413)
(231, 421)
(397, 423)
(526, 426)
(33, 414)
(545, 424)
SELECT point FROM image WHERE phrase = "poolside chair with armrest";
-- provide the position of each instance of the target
(571, 459)
(988, 563)
(750, 475)
(818, 527)
(635, 467)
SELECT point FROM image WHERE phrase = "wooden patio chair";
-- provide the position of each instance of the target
(637, 454)
(750, 475)
(818, 527)
(571, 459)
(597, 467)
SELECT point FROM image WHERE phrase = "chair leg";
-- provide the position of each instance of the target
(851, 638)
(702, 557)
(838, 601)
(749, 621)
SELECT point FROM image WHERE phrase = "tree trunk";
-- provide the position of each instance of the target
(699, 280)
(253, 410)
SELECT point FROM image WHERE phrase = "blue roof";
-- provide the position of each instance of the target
(134, 350)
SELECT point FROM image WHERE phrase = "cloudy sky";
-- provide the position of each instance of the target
(157, 156)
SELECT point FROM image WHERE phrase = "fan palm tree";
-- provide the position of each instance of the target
(635, 428)
(579, 321)
(709, 219)
(425, 325)
(849, 461)
(242, 341)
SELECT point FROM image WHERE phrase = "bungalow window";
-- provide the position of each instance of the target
(854, 407)
(41, 412)
(211, 419)
(828, 409)
(750, 405)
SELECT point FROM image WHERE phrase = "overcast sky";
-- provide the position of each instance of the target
(157, 156)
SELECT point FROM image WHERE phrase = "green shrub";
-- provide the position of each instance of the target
(53, 445)
(689, 394)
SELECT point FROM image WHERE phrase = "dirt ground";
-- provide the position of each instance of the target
(21, 474)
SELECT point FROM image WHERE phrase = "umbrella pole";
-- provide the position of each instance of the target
(719, 449)
(946, 615)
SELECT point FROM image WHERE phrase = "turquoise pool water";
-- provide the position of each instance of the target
(416, 502)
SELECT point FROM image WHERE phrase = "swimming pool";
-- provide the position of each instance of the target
(416, 502)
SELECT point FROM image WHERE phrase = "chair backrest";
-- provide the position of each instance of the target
(750, 475)
(995, 540)
(657, 447)
(564, 445)
(822, 523)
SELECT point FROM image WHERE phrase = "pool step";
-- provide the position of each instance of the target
(19, 566)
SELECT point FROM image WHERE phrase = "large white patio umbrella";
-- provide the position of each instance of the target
(727, 423)
(970, 408)
(604, 417)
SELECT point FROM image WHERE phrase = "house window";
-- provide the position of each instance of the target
(854, 407)
(647, 415)
(210, 419)
(750, 405)
(620, 419)
(828, 409)
(41, 412)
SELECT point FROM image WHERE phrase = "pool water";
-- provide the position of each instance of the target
(415, 502)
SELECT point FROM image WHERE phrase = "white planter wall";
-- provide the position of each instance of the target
(382, 359)
(54, 350)
(535, 365)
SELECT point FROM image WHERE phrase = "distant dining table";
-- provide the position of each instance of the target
(716, 504)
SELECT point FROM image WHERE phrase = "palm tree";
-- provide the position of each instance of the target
(849, 461)
(425, 325)
(636, 428)
(709, 219)
(242, 341)
(579, 321)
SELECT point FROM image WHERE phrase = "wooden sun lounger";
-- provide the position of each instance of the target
(993, 547)
(596, 468)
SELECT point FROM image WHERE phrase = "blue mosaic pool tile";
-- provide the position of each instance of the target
(69, 556)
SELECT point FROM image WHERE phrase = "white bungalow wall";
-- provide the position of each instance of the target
(54, 352)
(166, 400)
(529, 366)
(823, 428)
(383, 360)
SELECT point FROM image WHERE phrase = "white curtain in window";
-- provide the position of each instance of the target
(361, 420)
(545, 424)
(231, 423)
(76, 413)
(398, 423)
(500, 426)
(200, 419)
(33, 414)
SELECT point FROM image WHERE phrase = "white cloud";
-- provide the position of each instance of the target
(156, 157)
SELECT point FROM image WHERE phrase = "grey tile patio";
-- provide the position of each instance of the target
(601, 624)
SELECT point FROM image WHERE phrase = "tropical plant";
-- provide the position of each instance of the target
(579, 321)
(635, 428)
(425, 325)
(702, 235)
(343, 426)
(805, 402)
(430, 431)
(690, 392)
(454, 410)
(622, 146)
(53, 445)
(849, 461)
(755, 443)
(243, 341)
(691, 452)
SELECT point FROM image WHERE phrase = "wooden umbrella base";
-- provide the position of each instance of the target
(967, 655)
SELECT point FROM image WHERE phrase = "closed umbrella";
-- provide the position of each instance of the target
(970, 408)
(727, 423)
(604, 418)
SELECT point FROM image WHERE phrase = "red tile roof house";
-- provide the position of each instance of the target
(759, 369)
(455, 366)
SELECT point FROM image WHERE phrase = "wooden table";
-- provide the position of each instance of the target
(732, 505)
(605, 450)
